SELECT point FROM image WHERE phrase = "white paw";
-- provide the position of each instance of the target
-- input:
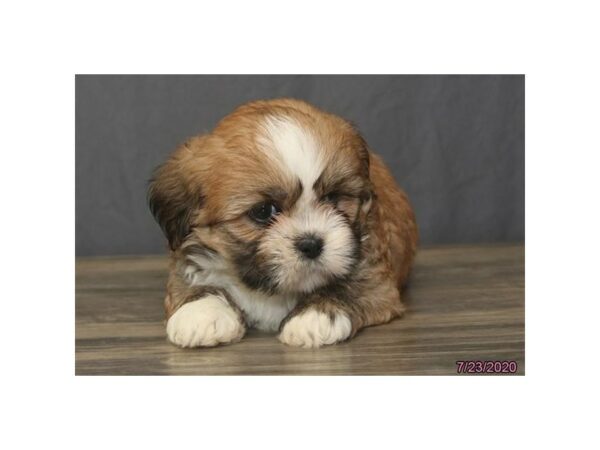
(205, 323)
(314, 329)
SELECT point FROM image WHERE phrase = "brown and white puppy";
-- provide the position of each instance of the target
(283, 220)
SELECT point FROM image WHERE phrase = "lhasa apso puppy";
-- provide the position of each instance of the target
(281, 219)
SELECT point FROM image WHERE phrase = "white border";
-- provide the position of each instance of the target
(46, 43)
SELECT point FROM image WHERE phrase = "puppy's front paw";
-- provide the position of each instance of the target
(313, 328)
(205, 323)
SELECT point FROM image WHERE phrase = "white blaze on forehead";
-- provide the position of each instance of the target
(298, 153)
(296, 148)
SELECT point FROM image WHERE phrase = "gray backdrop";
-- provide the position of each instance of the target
(454, 143)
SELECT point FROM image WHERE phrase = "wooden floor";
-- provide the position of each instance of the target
(464, 303)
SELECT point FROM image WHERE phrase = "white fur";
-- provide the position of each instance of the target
(297, 274)
(205, 323)
(261, 311)
(297, 152)
(296, 149)
(313, 328)
(203, 270)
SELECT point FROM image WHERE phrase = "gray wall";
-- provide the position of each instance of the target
(454, 143)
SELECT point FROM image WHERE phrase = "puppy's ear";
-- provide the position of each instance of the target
(174, 195)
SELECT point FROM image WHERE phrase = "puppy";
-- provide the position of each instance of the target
(281, 219)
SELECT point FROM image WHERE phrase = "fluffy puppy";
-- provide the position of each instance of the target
(281, 219)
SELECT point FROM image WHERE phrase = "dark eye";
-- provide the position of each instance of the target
(332, 197)
(264, 212)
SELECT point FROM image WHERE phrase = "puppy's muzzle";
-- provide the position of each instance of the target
(310, 246)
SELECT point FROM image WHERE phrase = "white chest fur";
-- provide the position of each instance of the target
(261, 311)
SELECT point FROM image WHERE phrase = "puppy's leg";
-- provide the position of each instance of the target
(335, 316)
(316, 326)
(206, 319)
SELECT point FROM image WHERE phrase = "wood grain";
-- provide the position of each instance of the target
(464, 303)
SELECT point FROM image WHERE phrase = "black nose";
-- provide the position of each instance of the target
(310, 246)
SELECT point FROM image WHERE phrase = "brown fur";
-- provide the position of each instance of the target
(201, 196)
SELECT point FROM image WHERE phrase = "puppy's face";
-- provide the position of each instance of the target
(279, 193)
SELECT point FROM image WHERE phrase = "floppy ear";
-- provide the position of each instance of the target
(173, 196)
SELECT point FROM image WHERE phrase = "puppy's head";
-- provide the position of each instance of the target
(279, 193)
